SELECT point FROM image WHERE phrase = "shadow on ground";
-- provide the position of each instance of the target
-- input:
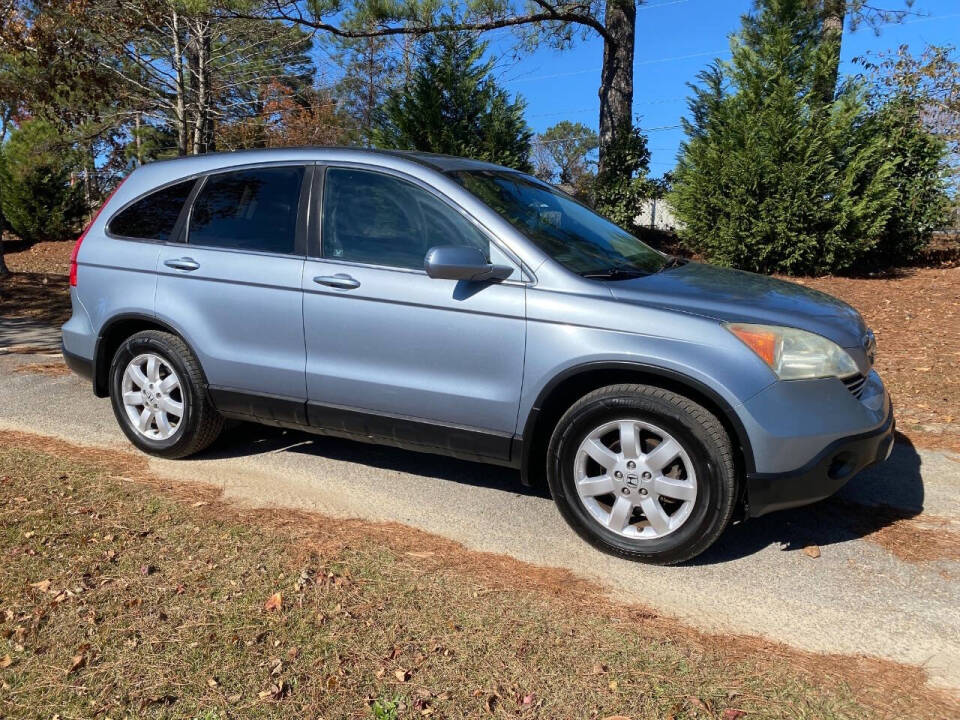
(875, 498)
(44, 299)
(244, 439)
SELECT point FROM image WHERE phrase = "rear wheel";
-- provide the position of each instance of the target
(643, 473)
(158, 396)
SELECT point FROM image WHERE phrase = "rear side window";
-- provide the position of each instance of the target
(248, 210)
(154, 216)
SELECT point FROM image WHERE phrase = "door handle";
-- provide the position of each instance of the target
(340, 280)
(184, 263)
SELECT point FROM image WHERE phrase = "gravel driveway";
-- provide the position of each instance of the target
(859, 596)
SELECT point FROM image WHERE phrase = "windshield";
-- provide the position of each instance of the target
(568, 231)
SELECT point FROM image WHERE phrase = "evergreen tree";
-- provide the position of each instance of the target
(452, 104)
(39, 201)
(771, 178)
(370, 70)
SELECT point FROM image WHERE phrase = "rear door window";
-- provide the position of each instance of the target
(153, 217)
(248, 210)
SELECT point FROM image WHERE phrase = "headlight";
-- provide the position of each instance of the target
(795, 354)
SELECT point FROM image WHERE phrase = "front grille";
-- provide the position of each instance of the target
(855, 384)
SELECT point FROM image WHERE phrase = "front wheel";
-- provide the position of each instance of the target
(643, 473)
(157, 392)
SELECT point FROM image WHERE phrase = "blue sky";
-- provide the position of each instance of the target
(675, 40)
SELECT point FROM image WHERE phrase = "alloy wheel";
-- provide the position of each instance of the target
(152, 397)
(635, 479)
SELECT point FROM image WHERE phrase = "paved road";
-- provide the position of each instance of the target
(856, 598)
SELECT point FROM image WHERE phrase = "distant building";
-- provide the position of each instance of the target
(657, 214)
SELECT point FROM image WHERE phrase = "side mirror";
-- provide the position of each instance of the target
(456, 262)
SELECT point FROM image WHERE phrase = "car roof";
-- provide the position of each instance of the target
(226, 159)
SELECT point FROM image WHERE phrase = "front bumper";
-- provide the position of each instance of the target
(824, 475)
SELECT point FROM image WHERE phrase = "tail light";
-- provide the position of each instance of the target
(76, 247)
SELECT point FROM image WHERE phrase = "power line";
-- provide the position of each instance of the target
(596, 108)
(584, 137)
(650, 61)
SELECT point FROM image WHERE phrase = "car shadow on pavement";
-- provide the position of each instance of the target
(875, 498)
(245, 439)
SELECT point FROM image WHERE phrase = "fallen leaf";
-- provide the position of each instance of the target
(616, 717)
(698, 703)
(613, 684)
(78, 662)
(29, 534)
(6, 661)
(732, 714)
(402, 675)
(212, 682)
(43, 586)
(274, 602)
(420, 554)
(812, 551)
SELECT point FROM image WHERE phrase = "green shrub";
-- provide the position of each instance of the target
(771, 179)
(37, 197)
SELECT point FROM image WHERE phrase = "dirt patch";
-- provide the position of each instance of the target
(45, 298)
(366, 610)
(915, 314)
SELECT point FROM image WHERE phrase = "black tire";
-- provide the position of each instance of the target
(201, 423)
(699, 432)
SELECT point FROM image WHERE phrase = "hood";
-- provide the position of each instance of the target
(737, 296)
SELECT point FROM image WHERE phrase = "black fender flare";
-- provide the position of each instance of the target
(101, 363)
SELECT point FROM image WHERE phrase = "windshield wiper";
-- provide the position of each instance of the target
(615, 273)
(672, 262)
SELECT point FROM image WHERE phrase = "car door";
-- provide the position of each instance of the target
(233, 288)
(392, 353)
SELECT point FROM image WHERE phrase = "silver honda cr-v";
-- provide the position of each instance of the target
(452, 306)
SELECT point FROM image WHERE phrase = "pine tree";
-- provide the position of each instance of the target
(771, 178)
(40, 202)
(452, 104)
(370, 70)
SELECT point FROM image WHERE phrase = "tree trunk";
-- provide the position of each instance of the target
(181, 89)
(4, 270)
(616, 77)
(198, 60)
(832, 16)
(137, 139)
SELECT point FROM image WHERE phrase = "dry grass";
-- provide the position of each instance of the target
(50, 369)
(155, 608)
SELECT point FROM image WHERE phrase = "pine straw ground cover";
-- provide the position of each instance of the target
(916, 317)
(122, 595)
